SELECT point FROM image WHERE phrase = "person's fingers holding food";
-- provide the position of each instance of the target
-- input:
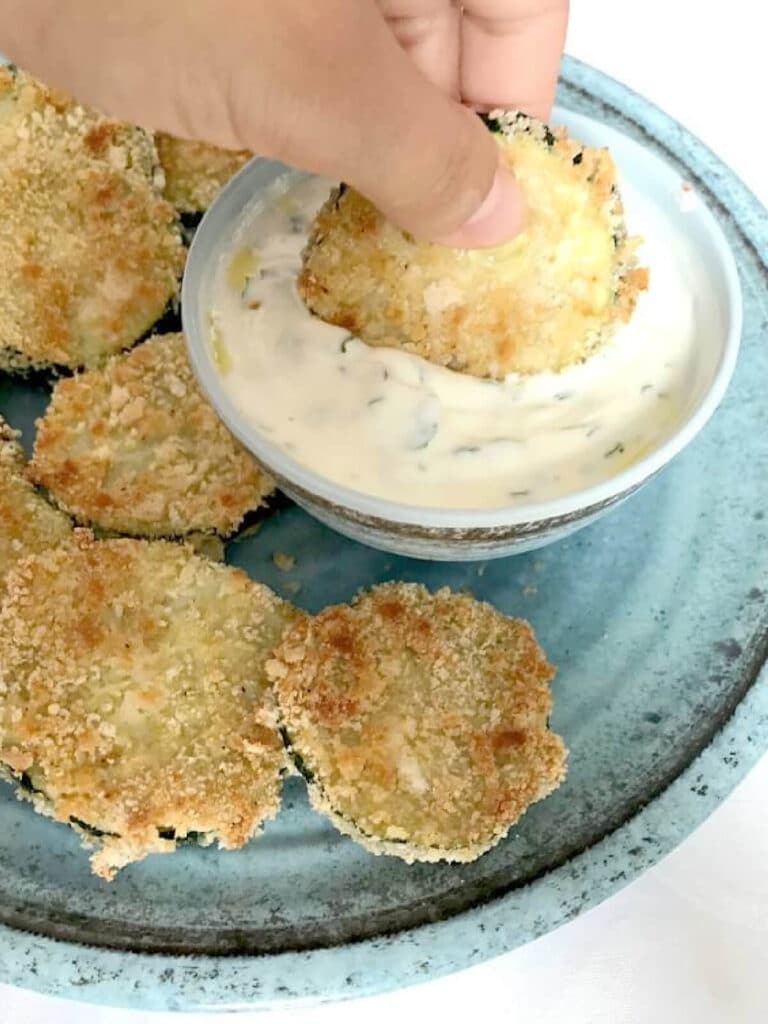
(325, 87)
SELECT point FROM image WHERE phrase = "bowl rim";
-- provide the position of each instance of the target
(217, 224)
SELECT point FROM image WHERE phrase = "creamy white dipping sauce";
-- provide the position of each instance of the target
(390, 424)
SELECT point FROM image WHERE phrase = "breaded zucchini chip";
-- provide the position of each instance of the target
(90, 252)
(134, 703)
(546, 299)
(195, 172)
(419, 720)
(28, 524)
(136, 448)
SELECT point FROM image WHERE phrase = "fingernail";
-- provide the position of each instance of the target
(498, 218)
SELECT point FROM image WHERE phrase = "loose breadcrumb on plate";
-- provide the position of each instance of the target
(283, 561)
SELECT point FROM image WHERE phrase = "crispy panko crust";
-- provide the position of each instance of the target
(28, 524)
(133, 696)
(90, 252)
(419, 720)
(195, 172)
(543, 301)
(136, 448)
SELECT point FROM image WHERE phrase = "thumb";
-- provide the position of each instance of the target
(446, 182)
(428, 163)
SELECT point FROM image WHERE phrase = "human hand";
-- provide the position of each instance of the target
(323, 86)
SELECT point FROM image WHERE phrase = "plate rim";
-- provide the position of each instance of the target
(167, 982)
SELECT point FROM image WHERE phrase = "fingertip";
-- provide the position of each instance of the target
(498, 219)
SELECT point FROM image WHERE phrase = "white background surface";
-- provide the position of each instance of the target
(687, 942)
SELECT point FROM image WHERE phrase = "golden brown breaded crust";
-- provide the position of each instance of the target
(195, 172)
(545, 300)
(133, 694)
(420, 719)
(136, 448)
(28, 524)
(90, 252)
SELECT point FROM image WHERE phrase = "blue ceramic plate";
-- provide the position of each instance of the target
(658, 617)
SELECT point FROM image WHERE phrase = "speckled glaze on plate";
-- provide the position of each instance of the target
(658, 618)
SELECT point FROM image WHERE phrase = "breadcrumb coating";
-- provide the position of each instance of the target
(136, 448)
(133, 698)
(90, 252)
(419, 720)
(541, 302)
(195, 172)
(28, 524)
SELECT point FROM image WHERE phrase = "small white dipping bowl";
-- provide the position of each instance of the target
(461, 534)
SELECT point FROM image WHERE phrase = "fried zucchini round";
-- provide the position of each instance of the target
(419, 720)
(546, 299)
(134, 703)
(136, 448)
(28, 524)
(195, 172)
(90, 251)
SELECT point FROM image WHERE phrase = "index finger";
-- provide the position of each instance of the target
(510, 53)
(429, 31)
